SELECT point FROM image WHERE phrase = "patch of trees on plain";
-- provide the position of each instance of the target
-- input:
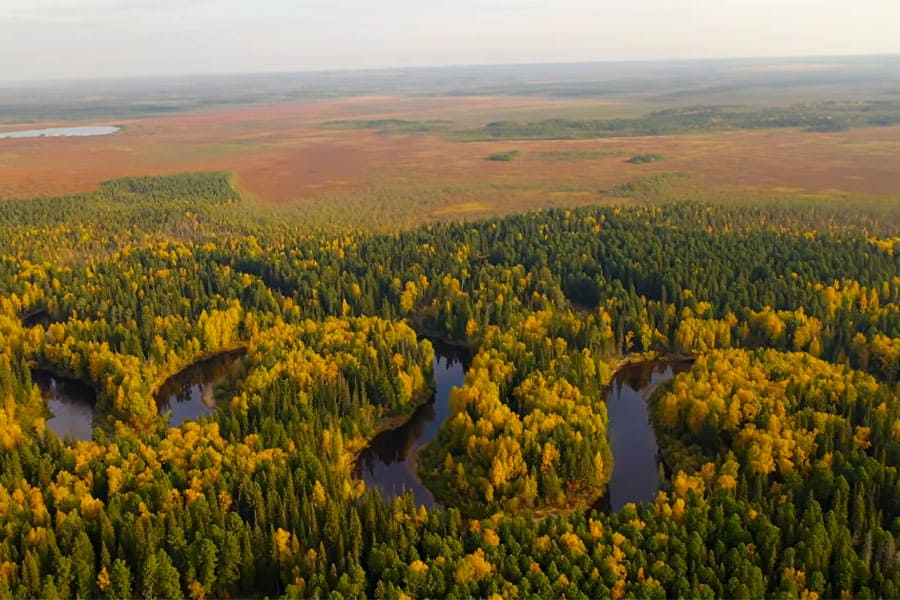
(507, 156)
(645, 157)
(820, 116)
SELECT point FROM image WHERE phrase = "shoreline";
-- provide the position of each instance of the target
(161, 382)
(585, 501)
(421, 398)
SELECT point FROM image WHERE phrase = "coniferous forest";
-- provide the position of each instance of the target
(779, 444)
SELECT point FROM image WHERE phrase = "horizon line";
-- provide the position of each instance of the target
(437, 67)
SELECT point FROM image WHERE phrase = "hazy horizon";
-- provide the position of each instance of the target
(775, 60)
(88, 39)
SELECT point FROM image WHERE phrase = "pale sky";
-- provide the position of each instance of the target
(49, 39)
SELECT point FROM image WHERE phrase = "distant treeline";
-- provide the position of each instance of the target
(389, 125)
(823, 117)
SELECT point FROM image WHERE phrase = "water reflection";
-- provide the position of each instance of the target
(191, 393)
(389, 462)
(636, 465)
(71, 405)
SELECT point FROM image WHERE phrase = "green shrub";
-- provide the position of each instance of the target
(504, 156)
(640, 159)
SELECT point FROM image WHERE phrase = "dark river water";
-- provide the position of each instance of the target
(71, 405)
(388, 463)
(38, 317)
(188, 395)
(635, 476)
(191, 393)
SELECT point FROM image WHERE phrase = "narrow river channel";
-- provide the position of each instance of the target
(389, 462)
(636, 467)
(191, 393)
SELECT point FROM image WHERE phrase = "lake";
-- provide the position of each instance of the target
(636, 464)
(71, 405)
(87, 130)
(388, 463)
(191, 393)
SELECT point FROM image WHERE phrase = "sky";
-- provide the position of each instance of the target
(61, 39)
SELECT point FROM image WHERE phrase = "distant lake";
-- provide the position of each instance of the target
(61, 132)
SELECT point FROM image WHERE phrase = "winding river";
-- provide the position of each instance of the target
(191, 393)
(389, 461)
(636, 468)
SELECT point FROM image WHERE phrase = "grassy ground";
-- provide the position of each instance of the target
(396, 172)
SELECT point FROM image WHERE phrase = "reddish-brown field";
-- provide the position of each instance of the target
(282, 154)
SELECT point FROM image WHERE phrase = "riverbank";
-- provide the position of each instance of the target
(624, 397)
(51, 370)
(389, 458)
(651, 361)
(162, 381)
(672, 451)
(353, 448)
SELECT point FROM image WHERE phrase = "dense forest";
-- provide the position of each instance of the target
(782, 441)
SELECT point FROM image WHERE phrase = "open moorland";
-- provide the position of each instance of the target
(477, 150)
